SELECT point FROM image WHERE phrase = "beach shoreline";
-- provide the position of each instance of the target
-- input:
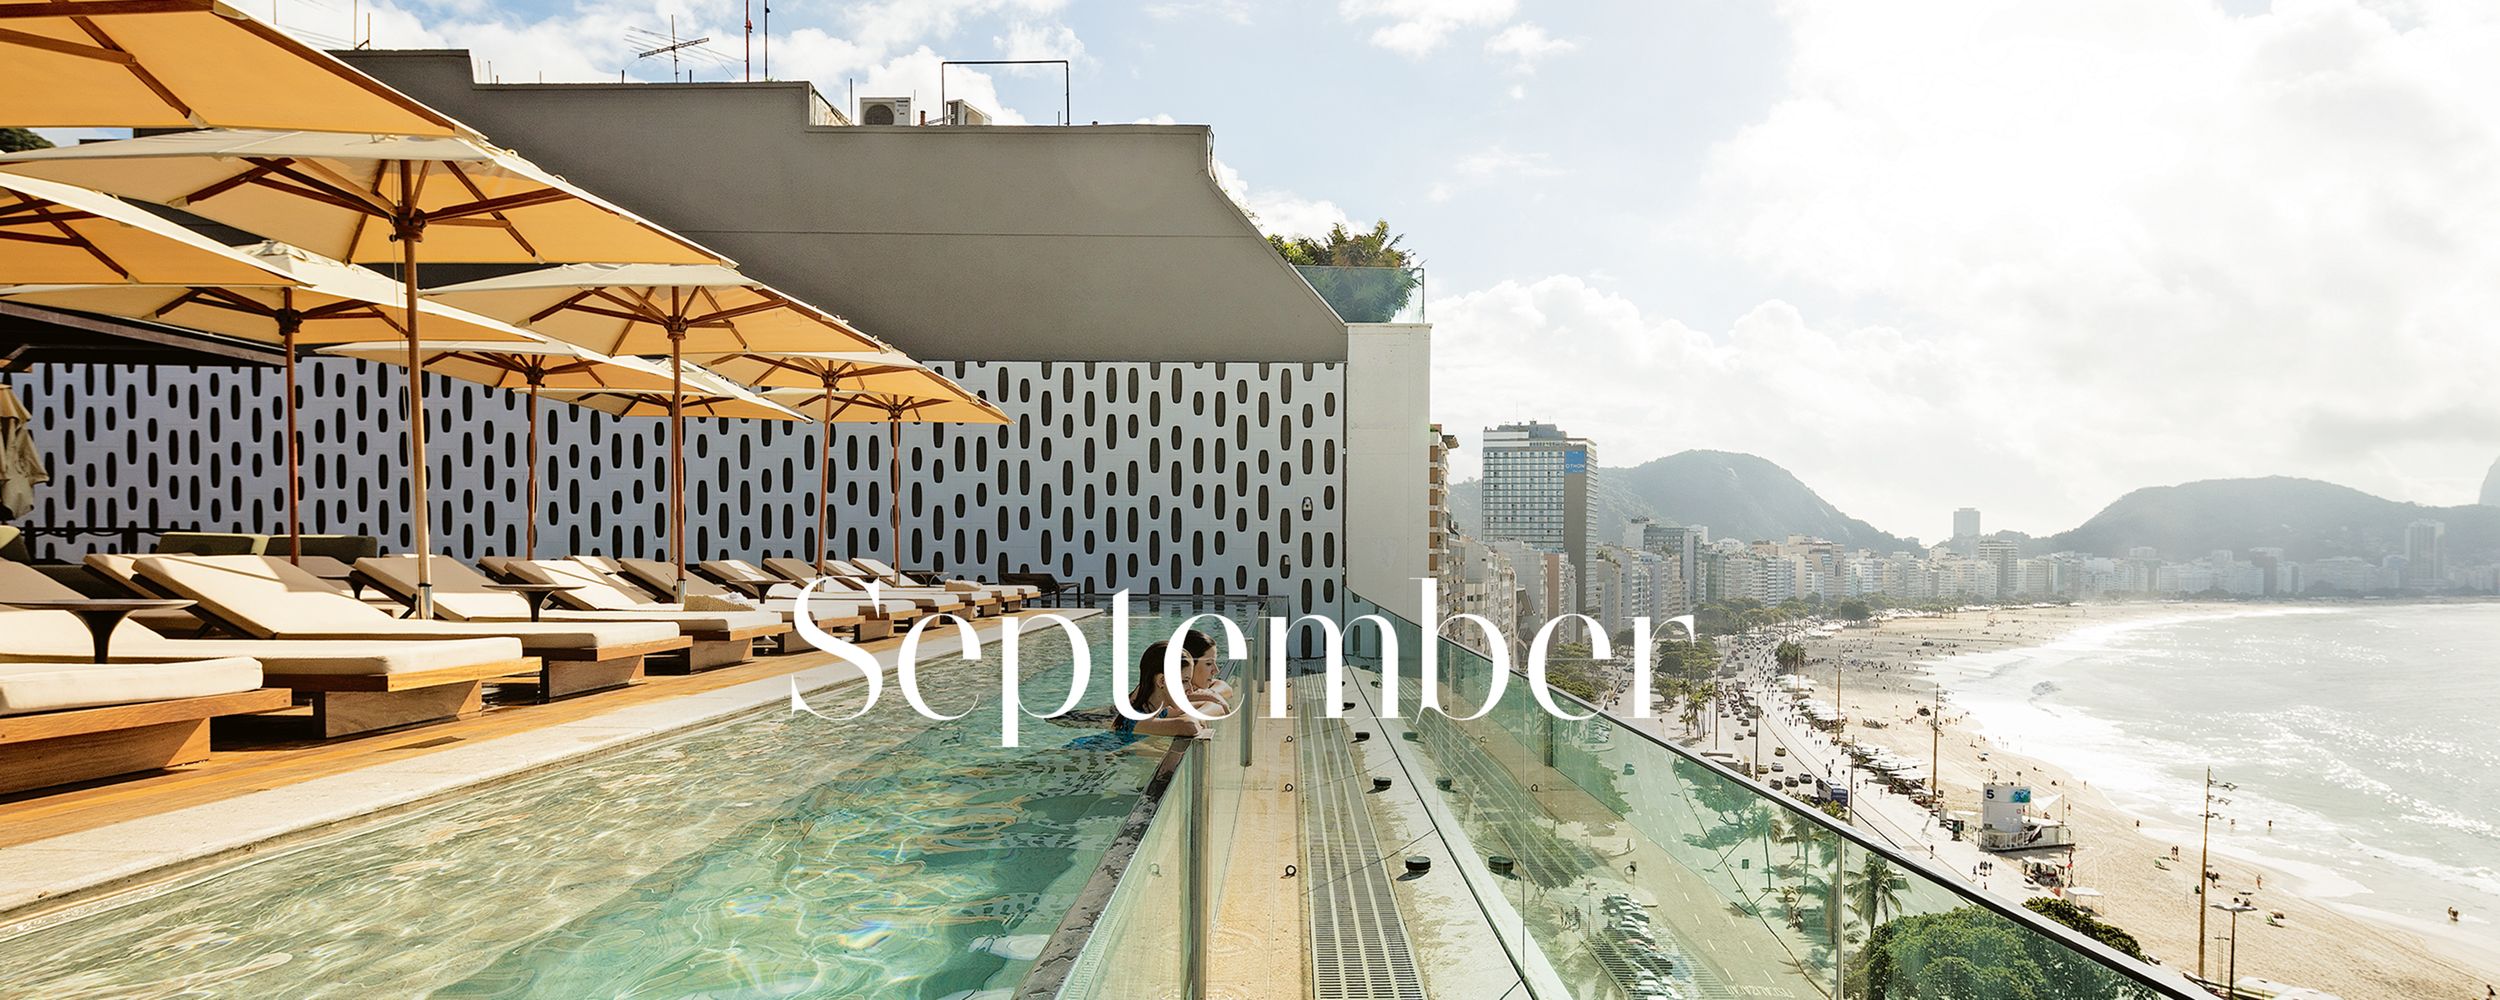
(1889, 671)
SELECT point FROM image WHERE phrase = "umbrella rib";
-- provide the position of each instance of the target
(34, 41)
(559, 306)
(137, 71)
(58, 241)
(477, 193)
(100, 8)
(18, 215)
(80, 240)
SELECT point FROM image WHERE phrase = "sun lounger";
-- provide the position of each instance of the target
(71, 721)
(846, 582)
(1014, 593)
(720, 638)
(263, 597)
(464, 594)
(987, 597)
(831, 613)
(121, 573)
(342, 676)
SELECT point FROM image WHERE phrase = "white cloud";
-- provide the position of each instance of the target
(2198, 245)
(1416, 27)
(1524, 45)
(1833, 404)
(1235, 11)
(1280, 213)
(1496, 163)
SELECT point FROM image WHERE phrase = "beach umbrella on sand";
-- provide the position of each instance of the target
(657, 309)
(698, 393)
(532, 366)
(831, 373)
(330, 303)
(372, 199)
(184, 64)
(936, 400)
(54, 233)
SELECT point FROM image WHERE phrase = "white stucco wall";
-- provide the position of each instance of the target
(1388, 449)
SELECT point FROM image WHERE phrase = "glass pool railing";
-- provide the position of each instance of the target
(1616, 865)
(1143, 925)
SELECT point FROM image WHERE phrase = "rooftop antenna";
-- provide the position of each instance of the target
(671, 49)
(768, 39)
(750, 41)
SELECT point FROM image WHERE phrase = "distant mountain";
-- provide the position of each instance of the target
(2491, 486)
(2305, 518)
(1735, 495)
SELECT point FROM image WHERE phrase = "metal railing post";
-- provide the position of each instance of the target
(1196, 921)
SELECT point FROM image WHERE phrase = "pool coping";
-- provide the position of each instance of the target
(47, 880)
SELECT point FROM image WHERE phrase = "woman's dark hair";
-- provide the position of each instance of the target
(1196, 643)
(1149, 675)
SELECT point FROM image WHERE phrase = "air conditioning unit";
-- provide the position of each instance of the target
(885, 111)
(963, 113)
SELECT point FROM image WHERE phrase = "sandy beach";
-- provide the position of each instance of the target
(1885, 675)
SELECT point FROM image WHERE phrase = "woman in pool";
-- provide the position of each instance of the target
(1212, 695)
(1152, 698)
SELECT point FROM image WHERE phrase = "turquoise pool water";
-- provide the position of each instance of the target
(776, 855)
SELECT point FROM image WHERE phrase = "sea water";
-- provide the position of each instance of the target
(2366, 733)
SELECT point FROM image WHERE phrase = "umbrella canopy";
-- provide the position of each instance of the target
(21, 463)
(532, 366)
(934, 399)
(356, 197)
(184, 64)
(53, 233)
(700, 394)
(675, 310)
(829, 375)
(329, 303)
(371, 198)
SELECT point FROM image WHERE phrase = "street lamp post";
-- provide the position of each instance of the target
(2238, 905)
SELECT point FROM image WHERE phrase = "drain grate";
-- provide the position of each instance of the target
(1358, 941)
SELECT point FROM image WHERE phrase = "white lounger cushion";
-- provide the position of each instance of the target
(884, 572)
(462, 594)
(272, 599)
(608, 603)
(54, 687)
(59, 635)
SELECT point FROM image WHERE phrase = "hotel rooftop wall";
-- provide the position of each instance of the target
(990, 243)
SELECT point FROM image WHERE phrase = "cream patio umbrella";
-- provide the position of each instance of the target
(54, 233)
(699, 394)
(935, 400)
(659, 309)
(533, 366)
(329, 303)
(373, 198)
(830, 375)
(184, 64)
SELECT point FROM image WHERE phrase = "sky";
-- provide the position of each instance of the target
(2014, 255)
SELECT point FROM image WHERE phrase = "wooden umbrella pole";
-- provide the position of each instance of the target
(288, 323)
(410, 230)
(529, 547)
(824, 493)
(677, 453)
(894, 465)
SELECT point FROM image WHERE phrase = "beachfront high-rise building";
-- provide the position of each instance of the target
(1966, 532)
(2005, 555)
(2426, 563)
(1536, 490)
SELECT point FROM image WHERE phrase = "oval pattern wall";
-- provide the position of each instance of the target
(1171, 478)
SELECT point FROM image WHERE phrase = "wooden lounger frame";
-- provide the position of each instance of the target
(562, 673)
(82, 744)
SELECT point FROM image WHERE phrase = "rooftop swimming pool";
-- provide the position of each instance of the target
(774, 855)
